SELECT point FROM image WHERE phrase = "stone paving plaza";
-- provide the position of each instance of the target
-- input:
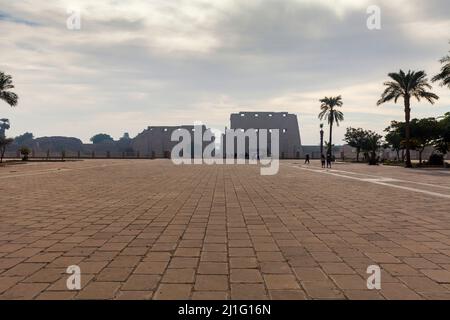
(147, 229)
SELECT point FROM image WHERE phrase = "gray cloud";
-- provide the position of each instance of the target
(138, 63)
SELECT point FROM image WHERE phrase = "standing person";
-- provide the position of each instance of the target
(307, 159)
(329, 160)
(322, 159)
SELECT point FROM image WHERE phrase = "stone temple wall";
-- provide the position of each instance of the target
(156, 142)
(286, 123)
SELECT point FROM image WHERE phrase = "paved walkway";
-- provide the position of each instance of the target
(142, 229)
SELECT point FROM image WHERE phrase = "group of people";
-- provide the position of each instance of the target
(324, 160)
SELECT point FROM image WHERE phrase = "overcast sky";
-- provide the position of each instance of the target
(138, 63)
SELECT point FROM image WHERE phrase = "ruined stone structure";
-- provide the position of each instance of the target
(286, 123)
(155, 142)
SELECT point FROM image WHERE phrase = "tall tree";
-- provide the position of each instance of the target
(407, 85)
(328, 111)
(5, 94)
(395, 137)
(423, 133)
(355, 139)
(4, 142)
(442, 143)
(371, 144)
(4, 125)
(444, 75)
(101, 137)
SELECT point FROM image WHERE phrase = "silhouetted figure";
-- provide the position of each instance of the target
(307, 159)
(329, 161)
(322, 159)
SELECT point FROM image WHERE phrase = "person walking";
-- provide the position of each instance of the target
(307, 159)
(329, 160)
(322, 159)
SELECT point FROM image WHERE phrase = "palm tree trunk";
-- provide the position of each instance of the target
(408, 163)
(321, 143)
(330, 147)
(373, 156)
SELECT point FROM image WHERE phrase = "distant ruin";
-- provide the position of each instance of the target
(155, 141)
(286, 123)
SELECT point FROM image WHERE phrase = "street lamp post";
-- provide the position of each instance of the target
(321, 139)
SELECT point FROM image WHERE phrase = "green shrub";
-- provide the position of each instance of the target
(436, 160)
(25, 152)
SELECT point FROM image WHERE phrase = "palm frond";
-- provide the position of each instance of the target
(5, 82)
(327, 108)
(338, 116)
(9, 97)
(443, 76)
(412, 83)
(5, 85)
(429, 96)
(323, 114)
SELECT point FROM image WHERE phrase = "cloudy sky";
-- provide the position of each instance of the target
(137, 63)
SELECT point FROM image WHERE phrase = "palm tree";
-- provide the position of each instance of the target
(331, 114)
(407, 85)
(6, 95)
(444, 76)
